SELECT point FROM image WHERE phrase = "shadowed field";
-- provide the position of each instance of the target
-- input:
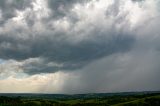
(103, 99)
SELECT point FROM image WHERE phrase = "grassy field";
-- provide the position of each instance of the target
(117, 99)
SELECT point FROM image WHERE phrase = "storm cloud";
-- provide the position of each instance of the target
(85, 38)
(59, 43)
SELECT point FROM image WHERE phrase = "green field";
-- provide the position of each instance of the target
(117, 99)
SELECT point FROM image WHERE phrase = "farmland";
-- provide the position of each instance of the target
(95, 99)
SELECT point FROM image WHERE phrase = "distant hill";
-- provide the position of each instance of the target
(147, 98)
(61, 96)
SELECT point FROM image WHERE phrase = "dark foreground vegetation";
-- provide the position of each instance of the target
(112, 99)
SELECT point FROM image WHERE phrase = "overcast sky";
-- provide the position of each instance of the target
(79, 46)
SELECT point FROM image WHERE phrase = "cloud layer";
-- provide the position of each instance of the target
(71, 41)
(98, 39)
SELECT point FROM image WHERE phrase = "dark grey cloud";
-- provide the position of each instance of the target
(103, 46)
(61, 47)
(61, 8)
(72, 56)
(76, 56)
(9, 7)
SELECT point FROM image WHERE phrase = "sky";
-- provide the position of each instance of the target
(79, 46)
